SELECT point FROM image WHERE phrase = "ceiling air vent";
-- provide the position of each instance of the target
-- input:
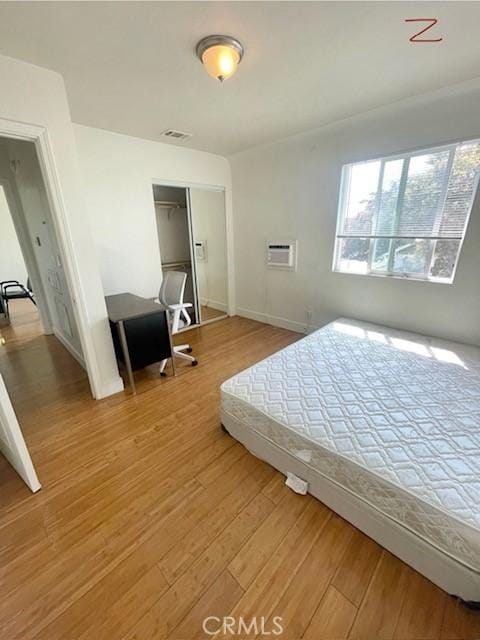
(175, 135)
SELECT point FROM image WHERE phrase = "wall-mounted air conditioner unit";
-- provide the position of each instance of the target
(282, 254)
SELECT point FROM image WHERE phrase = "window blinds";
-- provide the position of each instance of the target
(423, 195)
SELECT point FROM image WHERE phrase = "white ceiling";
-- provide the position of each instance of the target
(130, 66)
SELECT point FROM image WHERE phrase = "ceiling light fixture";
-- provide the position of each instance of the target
(220, 55)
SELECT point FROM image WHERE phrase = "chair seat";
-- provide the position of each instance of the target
(15, 295)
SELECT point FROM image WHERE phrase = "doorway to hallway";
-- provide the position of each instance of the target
(41, 360)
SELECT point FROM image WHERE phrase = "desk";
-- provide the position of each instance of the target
(140, 332)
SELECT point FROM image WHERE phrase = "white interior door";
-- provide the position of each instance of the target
(12, 444)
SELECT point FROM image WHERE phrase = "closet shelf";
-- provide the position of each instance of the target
(179, 263)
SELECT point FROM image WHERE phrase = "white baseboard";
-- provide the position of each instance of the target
(273, 320)
(69, 347)
(214, 304)
(113, 386)
(110, 388)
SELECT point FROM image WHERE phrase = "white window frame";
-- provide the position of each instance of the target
(406, 157)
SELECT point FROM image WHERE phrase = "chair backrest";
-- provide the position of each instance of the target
(173, 287)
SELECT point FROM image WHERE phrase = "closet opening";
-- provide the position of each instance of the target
(192, 239)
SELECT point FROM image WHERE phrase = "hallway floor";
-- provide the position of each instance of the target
(41, 376)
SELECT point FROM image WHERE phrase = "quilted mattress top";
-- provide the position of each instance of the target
(402, 408)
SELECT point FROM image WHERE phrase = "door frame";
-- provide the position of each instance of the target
(193, 260)
(40, 137)
(26, 248)
(228, 229)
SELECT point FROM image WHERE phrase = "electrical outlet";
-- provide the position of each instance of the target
(308, 315)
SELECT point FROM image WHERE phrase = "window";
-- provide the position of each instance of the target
(406, 215)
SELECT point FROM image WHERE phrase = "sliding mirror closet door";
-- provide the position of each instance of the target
(207, 207)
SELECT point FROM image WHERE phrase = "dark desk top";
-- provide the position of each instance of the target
(125, 306)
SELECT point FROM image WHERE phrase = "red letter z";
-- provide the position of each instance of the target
(432, 21)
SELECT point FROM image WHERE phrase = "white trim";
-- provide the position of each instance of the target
(193, 260)
(112, 387)
(18, 218)
(227, 198)
(415, 151)
(40, 136)
(69, 347)
(158, 182)
(214, 304)
(405, 156)
(276, 321)
(399, 276)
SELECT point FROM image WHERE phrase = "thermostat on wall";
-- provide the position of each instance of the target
(282, 254)
(201, 250)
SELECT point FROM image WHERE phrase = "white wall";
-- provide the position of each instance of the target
(290, 189)
(208, 220)
(12, 264)
(118, 172)
(34, 96)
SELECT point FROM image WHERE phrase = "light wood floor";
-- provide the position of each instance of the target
(209, 313)
(151, 518)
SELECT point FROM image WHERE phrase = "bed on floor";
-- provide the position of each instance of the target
(384, 426)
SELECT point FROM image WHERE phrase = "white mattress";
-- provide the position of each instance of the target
(392, 417)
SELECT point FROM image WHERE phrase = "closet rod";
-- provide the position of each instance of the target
(169, 205)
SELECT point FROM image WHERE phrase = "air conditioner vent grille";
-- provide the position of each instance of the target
(175, 135)
(282, 254)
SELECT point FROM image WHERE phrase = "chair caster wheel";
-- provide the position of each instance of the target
(163, 374)
(189, 350)
(194, 363)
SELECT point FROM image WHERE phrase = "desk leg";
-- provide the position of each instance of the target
(126, 355)
(172, 356)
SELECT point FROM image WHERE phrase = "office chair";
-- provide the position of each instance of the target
(171, 295)
(14, 290)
